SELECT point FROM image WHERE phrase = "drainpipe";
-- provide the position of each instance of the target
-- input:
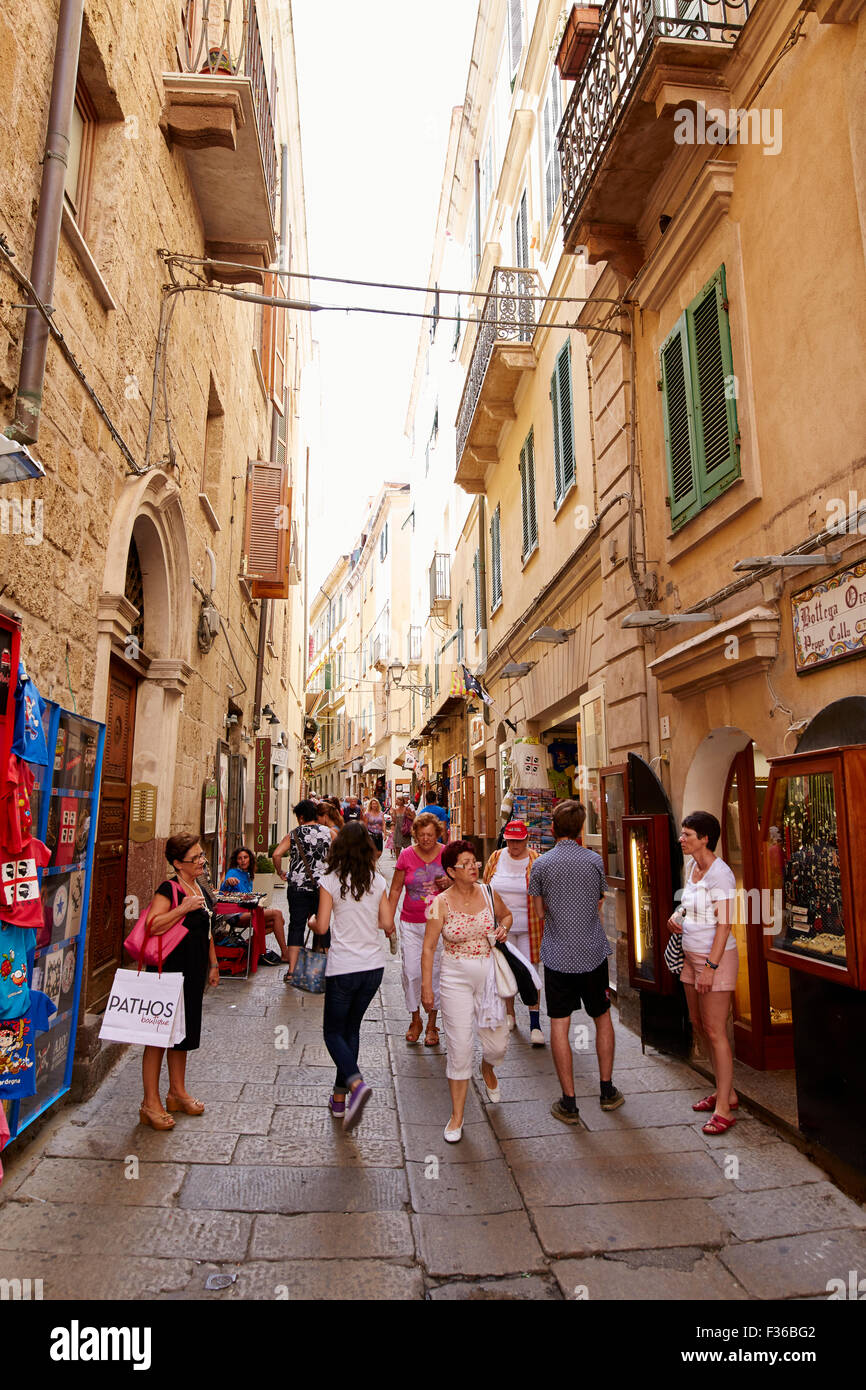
(31, 378)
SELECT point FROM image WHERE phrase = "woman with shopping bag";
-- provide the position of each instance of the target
(195, 958)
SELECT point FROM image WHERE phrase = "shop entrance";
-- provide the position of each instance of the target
(108, 924)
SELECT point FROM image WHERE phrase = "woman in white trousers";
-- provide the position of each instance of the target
(470, 1005)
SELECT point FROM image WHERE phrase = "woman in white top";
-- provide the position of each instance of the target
(709, 975)
(357, 896)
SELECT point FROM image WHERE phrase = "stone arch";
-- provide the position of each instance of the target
(704, 787)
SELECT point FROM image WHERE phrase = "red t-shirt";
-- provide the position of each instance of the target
(20, 903)
(16, 822)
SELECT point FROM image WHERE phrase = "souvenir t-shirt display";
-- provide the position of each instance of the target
(18, 1047)
(29, 742)
(14, 992)
(20, 905)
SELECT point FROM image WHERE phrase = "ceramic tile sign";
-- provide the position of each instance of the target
(829, 620)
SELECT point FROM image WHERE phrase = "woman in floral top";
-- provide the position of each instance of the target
(308, 847)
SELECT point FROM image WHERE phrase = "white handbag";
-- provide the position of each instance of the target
(145, 1008)
(506, 984)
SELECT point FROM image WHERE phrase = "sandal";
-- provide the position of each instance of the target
(188, 1104)
(718, 1124)
(413, 1033)
(157, 1119)
(709, 1103)
(431, 1037)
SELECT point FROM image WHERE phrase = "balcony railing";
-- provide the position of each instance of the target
(508, 316)
(221, 37)
(629, 31)
(440, 580)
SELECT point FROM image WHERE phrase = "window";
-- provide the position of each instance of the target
(551, 118)
(563, 424)
(527, 495)
(472, 240)
(273, 346)
(427, 684)
(495, 559)
(82, 135)
(414, 643)
(214, 441)
(383, 542)
(487, 178)
(515, 33)
(461, 643)
(700, 413)
(436, 671)
(476, 566)
(521, 235)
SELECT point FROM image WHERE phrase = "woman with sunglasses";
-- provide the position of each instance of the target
(194, 958)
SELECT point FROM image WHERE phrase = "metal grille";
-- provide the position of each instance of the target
(508, 316)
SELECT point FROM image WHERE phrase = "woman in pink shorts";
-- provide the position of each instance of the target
(710, 971)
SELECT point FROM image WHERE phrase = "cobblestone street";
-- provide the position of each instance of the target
(636, 1203)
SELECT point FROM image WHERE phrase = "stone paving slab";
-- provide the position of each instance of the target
(317, 1095)
(463, 1189)
(798, 1266)
(482, 1245)
(590, 1181)
(590, 1230)
(779, 1166)
(329, 1280)
(82, 1278)
(423, 1141)
(251, 1188)
(179, 1145)
(305, 1122)
(321, 1075)
(101, 1183)
(315, 1054)
(812, 1206)
(126, 1086)
(333, 1235)
(600, 1279)
(572, 1142)
(530, 1288)
(644, 1111)
(72, 1230)
(428, 1100)
(525, 1119)
(220, 1117)
(746, 1134)
(352, 1150)
(423, 1065)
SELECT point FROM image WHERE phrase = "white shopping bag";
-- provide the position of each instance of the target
(144, 1007)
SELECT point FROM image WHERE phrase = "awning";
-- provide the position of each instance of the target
(375, 765)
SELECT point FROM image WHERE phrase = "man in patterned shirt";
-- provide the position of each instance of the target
(568, 885)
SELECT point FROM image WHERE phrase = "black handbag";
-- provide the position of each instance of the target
(526, 986)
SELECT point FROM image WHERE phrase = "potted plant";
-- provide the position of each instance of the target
(263, 879)
(580, 33)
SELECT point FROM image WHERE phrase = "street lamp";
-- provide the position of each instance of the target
(395, 671)
(17, 464)
(551, 634)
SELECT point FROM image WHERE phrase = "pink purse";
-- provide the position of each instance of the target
(150, 950)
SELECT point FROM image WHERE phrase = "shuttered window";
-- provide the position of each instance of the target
(515, 32)
(460, 635)
(527, 495)
(495, 559)
(699, 407)
(521, 234)
(563, 425)
(476, 566)
(268, 523)
(551, 117)
(273, 346)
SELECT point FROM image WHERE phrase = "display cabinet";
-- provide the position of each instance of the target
(649, 900)
(815, 874)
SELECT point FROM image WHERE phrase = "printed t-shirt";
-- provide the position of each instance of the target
(20, 904)
(14, 992)
(17, 1047)
(29, 742)
(316, 841)
(699, 899)
(420, 882)
(4, 1135)
(16, 820)
(356, 940)
(352, 813)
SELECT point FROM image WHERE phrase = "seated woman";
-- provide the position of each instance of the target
(239, 879)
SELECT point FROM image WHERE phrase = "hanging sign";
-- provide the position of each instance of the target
(476, 731)
(210, 802)
(262, 796)
(829, 620)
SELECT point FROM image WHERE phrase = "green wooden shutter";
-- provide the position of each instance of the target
(476, 565)
(715, 415)
(557, 443)
(524, 499)
(530, 488)
(563, 423)
(679, 425)
(495, 558)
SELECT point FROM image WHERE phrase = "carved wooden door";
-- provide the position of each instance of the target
(108, 925)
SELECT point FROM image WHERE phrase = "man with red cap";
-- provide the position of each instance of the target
(507, 871)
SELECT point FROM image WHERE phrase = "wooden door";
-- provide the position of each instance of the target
(108, 925)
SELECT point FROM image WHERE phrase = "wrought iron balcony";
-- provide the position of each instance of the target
(503, 352)
(440, 581)
(218, 110)
(649, 58)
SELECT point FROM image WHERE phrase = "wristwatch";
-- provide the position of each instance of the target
(710, 964)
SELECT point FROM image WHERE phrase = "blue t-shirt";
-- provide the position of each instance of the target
(29, 741)
(244, 882)
(18, 1050)
(14, 991)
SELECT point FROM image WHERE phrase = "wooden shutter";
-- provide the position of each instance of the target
(467, 806)
(679, 424)
(532, 520)
(715, 416)
(495, 558)
(563, 424)
(515, 31)
(268, 524)
(476, 565)
(521, 233)
(524, 501)
(551, 117)
(273, 354)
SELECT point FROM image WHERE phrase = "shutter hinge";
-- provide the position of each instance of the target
(726, 305)
(738, 439)
(668, 503)
(660, 385)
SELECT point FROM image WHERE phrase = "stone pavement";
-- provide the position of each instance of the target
(265, 1186)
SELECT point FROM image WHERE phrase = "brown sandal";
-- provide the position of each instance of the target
(188, 1105)
(157, 1119)
(431, 1037)
(413, 1033)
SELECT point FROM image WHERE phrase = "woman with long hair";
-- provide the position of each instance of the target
(374, 819)
(239, 879)
(332, 820)
(357, 895)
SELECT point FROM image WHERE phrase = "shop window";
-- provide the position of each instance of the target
(527, 495)
(702, 442)
(563, 425)
(495, 560)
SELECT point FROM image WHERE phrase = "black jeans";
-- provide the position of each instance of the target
(347, 999)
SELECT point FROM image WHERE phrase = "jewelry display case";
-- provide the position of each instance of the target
(815, 874)
(649, 900)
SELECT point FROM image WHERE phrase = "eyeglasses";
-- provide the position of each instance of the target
(196, 859)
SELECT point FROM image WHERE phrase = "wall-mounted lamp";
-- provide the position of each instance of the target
(803, 562)
(551, 634)
(395, 670)
(17, 464)
(517, 668)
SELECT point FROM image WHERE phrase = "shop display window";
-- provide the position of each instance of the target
(815, 876)
(649, 900)
(614, 805)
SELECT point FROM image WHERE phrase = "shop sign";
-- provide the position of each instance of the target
(476, 731)
(210, 804)
(829, 620)
(262, 795)
(279, 757)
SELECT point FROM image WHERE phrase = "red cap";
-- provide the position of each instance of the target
(516, 830)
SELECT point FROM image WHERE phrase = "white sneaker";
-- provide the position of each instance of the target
(536, 1037)
(512, 1023)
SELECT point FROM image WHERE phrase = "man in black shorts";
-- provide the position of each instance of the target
(569, 884)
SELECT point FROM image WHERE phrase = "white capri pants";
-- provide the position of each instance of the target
(462, 985)
(411, 941)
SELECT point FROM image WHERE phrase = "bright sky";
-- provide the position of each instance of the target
(377, 84)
